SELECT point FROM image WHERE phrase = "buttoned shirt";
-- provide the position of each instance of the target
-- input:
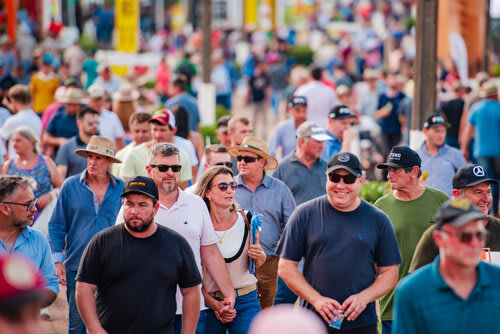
(441, 167)
(34, 245)
(78, 216)
(274, 201)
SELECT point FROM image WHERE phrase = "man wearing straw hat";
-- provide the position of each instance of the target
(270, 197)
(88, 203)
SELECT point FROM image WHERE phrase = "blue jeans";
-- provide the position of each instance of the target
(490, 168)
(75, 322)
(386, 327)
(247, 307)
(200, 327)
(284, 295)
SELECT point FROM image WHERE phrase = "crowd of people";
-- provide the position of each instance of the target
(109, 189)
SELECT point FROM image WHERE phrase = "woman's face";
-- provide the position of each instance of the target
(20, 144)
(218, 198)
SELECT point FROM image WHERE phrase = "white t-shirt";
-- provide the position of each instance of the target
(23, 118)
(188, 147)
(320, 100)
(110, 125)
(188, 216)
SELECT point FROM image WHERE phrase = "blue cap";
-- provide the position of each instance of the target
(48, 59)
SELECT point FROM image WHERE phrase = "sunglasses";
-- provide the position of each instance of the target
(348, 179)
(247, 159)
(92, 122)
(228, 164)
(466, 237)
(29, 206)
(224, 185)
(164, 168)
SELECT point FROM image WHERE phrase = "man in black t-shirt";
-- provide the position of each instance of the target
(350, 251)
(133, 270)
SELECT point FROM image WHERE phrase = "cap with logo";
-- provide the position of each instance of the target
(471, 175)
(313, 130)
(340, 112)
(163, 117)
(435, 120)
(401, 157)
(347, 161)
(457, 213)
(140, 185)
(297, 101)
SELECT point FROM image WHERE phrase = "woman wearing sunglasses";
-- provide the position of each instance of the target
(216, 186)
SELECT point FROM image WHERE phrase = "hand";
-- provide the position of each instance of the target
(61, 273)
(348, 135)
(255, 252)
(327, 308)
(354, 306)
(224, 311)
(44, 200)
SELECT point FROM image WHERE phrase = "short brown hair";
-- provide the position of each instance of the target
(139, 117)
(234, 120)
(21, 94)
(213, 149)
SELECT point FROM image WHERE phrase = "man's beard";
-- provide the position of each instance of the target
(139, 227)
(21, 223)
(168, 188)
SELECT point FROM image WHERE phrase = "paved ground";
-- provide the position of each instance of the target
(59, 313)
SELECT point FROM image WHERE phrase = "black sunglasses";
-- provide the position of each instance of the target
(228, 164)
(247, 159)
(224, 185)
(29, 206)
(164, 168)
(466, 237)
(348, 179)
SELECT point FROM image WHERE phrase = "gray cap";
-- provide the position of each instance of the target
(313, 130)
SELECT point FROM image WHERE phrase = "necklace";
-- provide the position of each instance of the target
(24, 162)
(221, 237)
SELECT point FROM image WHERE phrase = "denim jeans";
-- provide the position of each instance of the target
(200, 327)
(247, 307)
(386, 327)
(75, 323)
(490, 168)
(284, 295)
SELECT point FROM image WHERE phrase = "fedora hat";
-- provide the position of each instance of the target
(489, 89)
(126, 93)
(257, 146)
(74, 95)
(99, 145)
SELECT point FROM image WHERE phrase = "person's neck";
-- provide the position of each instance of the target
(9, 234)
(461, 279)
(253, 182)
(221, 217)
(410, 192)
(307, 160)
(169, 199)
(145, 234)
(26, 156)
(97, 178)
(431, 149)
(297, 122)
(22, 107)
(83, 137)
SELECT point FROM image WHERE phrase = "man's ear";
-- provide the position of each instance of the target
(4, 209)
(174, 130)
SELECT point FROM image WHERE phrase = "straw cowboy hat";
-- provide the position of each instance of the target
(99, 145)
(74, 95)
(257, 146)
(489, 89)
(126, 93)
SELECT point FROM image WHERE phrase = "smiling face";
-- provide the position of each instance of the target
(217, 197)
(480, 196)
(342, 196)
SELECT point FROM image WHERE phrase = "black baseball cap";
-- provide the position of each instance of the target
(401, 157)
(347, 161)
(457, 213)
(140, 185)
(297, 101)
(471, 175)
(435, 120)
(340, 112)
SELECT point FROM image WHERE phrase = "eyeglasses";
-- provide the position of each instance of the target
(466, 237)
(92, 122)
(164, 168)
(29, 206)
(228, 164)
(224, 185)
(247, 159)
(348, 179)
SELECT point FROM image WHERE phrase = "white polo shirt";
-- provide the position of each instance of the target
(190, 218)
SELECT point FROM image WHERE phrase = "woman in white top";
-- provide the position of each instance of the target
(217, 187)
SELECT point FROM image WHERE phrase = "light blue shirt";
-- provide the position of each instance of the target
(78, 216)
(285, 135)
(34, 245)
(190, 104)
(485, 117)
(331, 147)
(274, 201)
(441, 167)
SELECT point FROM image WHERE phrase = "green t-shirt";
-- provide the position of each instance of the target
(410, 220)
(427, 250)
(121, 155)
(136, 161)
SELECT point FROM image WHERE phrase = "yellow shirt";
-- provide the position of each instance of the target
(43, 87)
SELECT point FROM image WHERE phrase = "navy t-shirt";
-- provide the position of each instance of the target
(390, 124)
(340, 250)
(62, 125)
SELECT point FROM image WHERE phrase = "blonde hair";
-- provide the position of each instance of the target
(205, 183)
(28, 134)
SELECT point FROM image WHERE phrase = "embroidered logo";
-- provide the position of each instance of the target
(478, 171)
(344, 157)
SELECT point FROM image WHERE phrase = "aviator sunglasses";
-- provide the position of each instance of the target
(466, 237)
(164, 168)
(224, 185)
(348, 179)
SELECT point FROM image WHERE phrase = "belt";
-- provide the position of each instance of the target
(239, 292)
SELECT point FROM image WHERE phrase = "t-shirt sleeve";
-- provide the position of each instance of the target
(292, 244)
(387, 252)
(90, 264)
(62, 157)
(51, 128)
(425, 252)
(472, 116)
(189, 274)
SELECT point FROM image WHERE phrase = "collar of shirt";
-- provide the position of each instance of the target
(83, 179)
(182, 200)
(482, 279)
(443, 149)
(266, 181)
(26, 111)
(333, 136)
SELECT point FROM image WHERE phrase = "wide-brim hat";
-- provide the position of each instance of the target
(488, 89)
(99, 145)
(126, 93)
(257, 146)
(74, 95)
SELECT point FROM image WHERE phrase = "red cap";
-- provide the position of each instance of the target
(164, 117)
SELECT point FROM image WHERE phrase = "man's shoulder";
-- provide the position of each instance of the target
(191, 199)
(420, 278)
(384, 200)
(436, 194)
(35, 236)
(70, 143)
(274, 183)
